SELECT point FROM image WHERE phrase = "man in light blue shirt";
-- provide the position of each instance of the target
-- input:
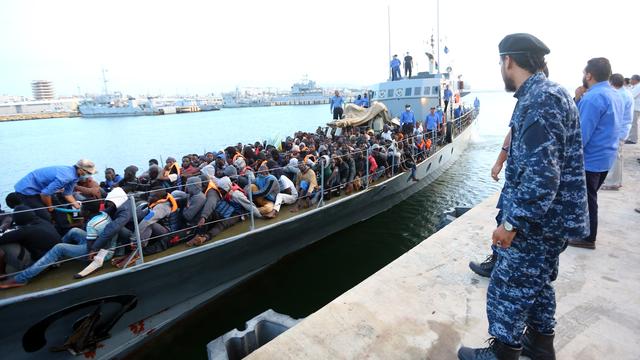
(447, 97)
(407, 120)
(600, 118)
(395, 68)
(431, 124)
(614, 177)
(37, 188)
(365, 101)
(336, 103)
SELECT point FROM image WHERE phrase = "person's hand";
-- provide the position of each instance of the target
(503, 238)
(75, 204)
(580, 90)
(495, 171)
(201, 222)
(92, 255)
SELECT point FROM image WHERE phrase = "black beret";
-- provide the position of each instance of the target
(522, 44)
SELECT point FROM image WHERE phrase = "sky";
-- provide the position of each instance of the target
(203, 47)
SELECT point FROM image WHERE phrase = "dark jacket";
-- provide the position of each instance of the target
(35, 234)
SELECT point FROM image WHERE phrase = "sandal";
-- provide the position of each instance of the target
(197, 240)
(131, 262)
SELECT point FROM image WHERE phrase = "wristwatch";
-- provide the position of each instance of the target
(507, 226)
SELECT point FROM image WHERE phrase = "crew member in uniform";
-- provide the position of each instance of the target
(336, 103)
(544, 204)
(407, 121)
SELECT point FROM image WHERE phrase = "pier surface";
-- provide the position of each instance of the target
(427, 303)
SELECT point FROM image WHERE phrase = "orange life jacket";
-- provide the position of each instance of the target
(169, 198)
(237, 155)
(175, 167)
(420, 144)
(428, 143)
(213, 186)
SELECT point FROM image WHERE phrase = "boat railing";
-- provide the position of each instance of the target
(396, 168)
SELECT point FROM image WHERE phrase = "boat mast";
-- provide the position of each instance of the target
(438, 31)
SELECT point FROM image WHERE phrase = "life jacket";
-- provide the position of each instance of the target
(420, 143)
(213, 186)
(234, 187)
(309, 157)
(237, 155)
(169, 198)
(171, 222)
(428, 144)
(244, 171)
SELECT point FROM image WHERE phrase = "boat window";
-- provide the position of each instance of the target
(435, 90)
(427, 90)
(416, 91)
(390, 93)
(407, 92)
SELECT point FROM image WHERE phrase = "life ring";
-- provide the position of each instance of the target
(381, 93)
(399, 92)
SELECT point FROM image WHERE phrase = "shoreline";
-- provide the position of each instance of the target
(40, 116)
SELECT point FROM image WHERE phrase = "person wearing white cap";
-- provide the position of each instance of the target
(37, 188)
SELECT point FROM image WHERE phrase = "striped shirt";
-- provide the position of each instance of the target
(96, 225)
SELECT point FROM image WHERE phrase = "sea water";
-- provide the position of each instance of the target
(301, 283)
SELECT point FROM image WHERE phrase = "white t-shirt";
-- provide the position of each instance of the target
(286, 183)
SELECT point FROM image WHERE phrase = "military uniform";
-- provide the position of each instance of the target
(544, 198)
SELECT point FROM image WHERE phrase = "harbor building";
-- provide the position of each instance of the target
(42, 90)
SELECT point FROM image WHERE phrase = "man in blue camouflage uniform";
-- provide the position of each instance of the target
(544, 204)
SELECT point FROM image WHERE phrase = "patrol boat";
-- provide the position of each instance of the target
(110, 312)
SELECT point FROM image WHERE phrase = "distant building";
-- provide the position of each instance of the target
(42, 90)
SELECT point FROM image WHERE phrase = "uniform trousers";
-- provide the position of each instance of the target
(520, 292)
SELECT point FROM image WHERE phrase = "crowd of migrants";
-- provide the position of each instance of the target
(192, 201)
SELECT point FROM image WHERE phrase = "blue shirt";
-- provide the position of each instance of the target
(431, 122)
(336, 101)
(395, 63)
(600, 117)
(407, 117)
(457, 112)
(96, 225)
(365, 102)
(48, 180)
(447, 94)
(627, 117)
(359, 102)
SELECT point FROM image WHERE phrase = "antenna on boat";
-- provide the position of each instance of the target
(104, 80)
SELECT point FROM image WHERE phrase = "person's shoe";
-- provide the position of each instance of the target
(629, 142)
(610, 187)
(495, 351)
(484, 268)
(583, 244)
(538, 346)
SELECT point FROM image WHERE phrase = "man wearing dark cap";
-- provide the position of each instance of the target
(37, 188)
(543, 204)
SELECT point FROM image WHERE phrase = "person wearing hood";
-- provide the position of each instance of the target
(244, 170)
(235, 194)
(117, 206)
(195, 201)
(188, 169)
(29, 242)
(74, 245)
(264, 191)
(226, 212)
(37, 188)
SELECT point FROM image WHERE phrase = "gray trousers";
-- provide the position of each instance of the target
(633, 134)
(614, 177)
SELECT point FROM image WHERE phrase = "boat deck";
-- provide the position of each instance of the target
(63, 275)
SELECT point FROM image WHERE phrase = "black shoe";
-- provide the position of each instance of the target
(484, 268)
(495, 351)
(629, 142)
(583, 244)
(538, 346)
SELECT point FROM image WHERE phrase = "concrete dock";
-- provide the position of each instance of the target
(427, 303)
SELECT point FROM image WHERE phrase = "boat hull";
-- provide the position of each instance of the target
(169, 287)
